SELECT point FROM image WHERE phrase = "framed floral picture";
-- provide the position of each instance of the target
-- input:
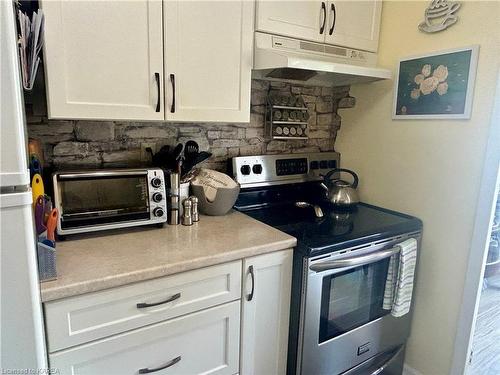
(436, 86)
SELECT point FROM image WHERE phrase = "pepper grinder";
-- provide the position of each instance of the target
(194, 208)
(173, 214)
(187, 219)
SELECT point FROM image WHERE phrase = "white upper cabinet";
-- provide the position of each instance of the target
(354, 24)
(348, 23)
(298, 19)
(208, 60)
(104, 59)
(265, 313)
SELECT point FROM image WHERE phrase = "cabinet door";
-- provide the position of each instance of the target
(104, 59)
(265, 313)
(354, 24)
(205, 342)
(298, 19)
(208, 60)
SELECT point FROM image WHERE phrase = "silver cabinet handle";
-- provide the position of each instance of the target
(354, 261)
(170, 363)
(170, 299)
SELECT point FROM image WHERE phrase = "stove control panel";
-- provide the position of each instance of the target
(287, 167)
(253, 171)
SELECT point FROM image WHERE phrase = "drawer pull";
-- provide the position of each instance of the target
(170, 299)
(166, 365)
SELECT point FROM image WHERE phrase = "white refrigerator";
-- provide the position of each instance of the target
(22, 342)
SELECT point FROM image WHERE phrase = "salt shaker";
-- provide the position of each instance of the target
(195, 214)
(187, 219)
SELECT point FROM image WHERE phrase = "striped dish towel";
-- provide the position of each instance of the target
(399, 282)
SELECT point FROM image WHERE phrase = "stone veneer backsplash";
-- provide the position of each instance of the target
(83, 143)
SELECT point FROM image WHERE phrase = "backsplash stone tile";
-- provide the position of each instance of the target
(81, 143)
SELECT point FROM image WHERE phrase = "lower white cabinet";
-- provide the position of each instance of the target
(198, 343)
(198, 332)
(265, 313)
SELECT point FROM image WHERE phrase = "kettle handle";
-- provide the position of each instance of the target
(354, 184)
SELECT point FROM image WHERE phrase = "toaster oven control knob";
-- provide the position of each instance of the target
(158, 212)
(245, 170)
(156, 182)
(157, 197)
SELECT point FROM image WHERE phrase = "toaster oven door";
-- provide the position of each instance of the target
(91, 199)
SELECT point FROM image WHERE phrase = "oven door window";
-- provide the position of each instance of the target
(105, 200)
(352, 298)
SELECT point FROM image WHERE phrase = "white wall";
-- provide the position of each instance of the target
(430, 169)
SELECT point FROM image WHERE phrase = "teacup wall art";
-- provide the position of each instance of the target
(439, 15)
(436, 86)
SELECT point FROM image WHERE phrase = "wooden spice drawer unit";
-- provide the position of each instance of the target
(77, 320)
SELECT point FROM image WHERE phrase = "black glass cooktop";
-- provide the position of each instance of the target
(336, 230)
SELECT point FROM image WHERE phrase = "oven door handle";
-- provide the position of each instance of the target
(354, 261)
(389, 361)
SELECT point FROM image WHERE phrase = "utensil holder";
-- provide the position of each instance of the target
(46, 262)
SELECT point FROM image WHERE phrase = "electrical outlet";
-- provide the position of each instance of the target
(145, 155)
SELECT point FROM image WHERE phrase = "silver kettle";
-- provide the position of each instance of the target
(339, 192)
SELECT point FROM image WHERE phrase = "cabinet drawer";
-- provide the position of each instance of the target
(203, 342)
(92, 316)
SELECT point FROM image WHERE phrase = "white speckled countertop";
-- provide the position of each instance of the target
(89, 263)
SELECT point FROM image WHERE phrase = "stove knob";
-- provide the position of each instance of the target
(257, 169)
(157, 197)
(156, 182)
(245, 170)
(158, 212)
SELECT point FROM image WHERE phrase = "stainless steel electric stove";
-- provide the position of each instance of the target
(337, 323)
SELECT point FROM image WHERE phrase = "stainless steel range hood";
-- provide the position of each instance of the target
(281, 58)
